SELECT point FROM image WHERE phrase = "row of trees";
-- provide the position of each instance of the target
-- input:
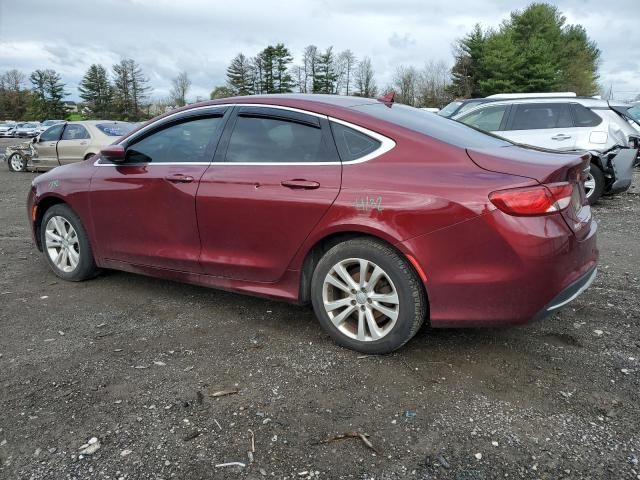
(532, 51)
(320, 71)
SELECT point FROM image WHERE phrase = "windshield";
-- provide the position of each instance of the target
(29, 125)
(115, 129)
(443, 129)
(449, 109)
(634, 112)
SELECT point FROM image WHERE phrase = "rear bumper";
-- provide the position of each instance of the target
(568, 295)
(503, 270)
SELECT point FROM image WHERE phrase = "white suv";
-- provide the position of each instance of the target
(566, 124)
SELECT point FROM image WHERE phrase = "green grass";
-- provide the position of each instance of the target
(74, 116)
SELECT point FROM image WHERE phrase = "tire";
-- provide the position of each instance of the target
(595, 178)
(56, 221)
(352, 319)
(16, 163)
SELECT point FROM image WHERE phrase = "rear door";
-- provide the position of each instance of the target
(73, 143)
(275, 174)
(546, 125)
(46, 147)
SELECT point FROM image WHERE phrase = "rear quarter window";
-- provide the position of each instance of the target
(115, 129)
(351, 143)
(583, 117)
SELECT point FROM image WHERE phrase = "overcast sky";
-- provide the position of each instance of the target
(202, 36)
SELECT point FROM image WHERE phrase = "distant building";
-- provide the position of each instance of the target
(71, 106)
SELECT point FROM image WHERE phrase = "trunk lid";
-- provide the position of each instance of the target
(544, 166)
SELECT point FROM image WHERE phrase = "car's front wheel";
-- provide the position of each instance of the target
(367, 296)
(66, 245)
(16, 163)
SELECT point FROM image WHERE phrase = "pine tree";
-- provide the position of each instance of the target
(96, 90)
(283, 82)
(240, 75)
(130, 89)
(466, 72)
(325, 75)
(48, 92)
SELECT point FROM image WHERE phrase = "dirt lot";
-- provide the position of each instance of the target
(133, 361)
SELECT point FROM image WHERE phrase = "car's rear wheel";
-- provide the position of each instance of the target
(594, 184)
(66, 245)
(16, 163)
(367, 296)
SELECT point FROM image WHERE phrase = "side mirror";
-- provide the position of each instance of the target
(113, 153)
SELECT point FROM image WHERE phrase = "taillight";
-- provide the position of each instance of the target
(533, 201)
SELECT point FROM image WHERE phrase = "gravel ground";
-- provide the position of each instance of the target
(134, 362)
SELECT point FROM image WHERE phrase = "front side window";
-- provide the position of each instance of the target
(52, 134)
(487, 119)
(536, 116)
(258, 139)
(75, 132)
(182, 142)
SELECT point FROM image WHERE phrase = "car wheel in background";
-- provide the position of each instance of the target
(367, 296)
(594, 184)
(66, 245)
(16, 163)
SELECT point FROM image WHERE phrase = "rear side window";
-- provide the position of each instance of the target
(488, 119)
(584, 117)
(75, 132)
(182, 142)
(52, 134)
(258, 139)
(115, 129)
(351, 143)
(536, 116)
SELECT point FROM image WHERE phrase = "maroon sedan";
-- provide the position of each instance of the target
(381, 215)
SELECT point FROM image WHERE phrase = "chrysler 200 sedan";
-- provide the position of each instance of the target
(380, 215)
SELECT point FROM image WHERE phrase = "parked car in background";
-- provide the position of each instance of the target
(460, 106)
(71, 142)
(382, 216)
(48, 123)
(8, 129)
(566, 124)
(29, 129)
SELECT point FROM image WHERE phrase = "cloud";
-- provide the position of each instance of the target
(201, 37)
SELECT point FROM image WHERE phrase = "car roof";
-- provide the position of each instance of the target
(588, 102)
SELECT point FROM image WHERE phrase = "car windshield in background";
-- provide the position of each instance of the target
(443, 129)
(30, 125)
(634, 112)
(115, 129)
(449, 109)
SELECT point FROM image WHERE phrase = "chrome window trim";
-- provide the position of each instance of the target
(386, 143)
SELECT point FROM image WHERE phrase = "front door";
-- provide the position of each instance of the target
(144, 209)
(73, 144)
(276, 173)
(46, 147)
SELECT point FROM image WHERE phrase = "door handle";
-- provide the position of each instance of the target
(179, 178)
(52, 144)
(299, 183)
(561, 136)
(83, 143)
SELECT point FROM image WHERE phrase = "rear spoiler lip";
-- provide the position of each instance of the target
(577, 158)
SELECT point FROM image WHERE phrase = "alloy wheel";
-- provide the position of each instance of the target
(360, 299)
(589, 185)
(62, 244)
(17, 164)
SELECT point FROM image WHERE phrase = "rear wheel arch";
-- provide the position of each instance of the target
(325, 244)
